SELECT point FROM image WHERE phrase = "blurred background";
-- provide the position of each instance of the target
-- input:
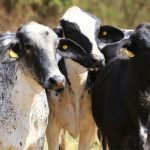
(121, 13)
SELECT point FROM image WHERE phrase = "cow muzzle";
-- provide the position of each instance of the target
(97, 62)
(56, 82)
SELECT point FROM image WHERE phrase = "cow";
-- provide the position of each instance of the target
(71, 109)
(120, 96)
(28, 66)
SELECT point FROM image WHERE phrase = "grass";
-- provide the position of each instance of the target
(72, 144)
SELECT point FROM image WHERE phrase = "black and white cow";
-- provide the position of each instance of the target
(27, 66)
(120, 98)
(71, 110)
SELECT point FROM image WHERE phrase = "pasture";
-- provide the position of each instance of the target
(71, 144)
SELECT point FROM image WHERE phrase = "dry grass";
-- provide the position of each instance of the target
(72, 144)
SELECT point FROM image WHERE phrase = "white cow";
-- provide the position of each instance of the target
(24, 73)
(71, 109)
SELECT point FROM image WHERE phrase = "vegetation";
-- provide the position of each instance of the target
(122, 13)
(72, 144)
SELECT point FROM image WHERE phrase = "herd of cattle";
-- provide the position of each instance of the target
(81, 77)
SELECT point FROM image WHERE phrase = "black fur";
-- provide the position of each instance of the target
(72, 31)
(120, 96)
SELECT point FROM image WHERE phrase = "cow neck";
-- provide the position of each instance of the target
(106, 70)
(142, 78)
(26, 87)
(77, 76)
(143, 90)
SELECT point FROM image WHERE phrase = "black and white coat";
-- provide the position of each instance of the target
(71, 110)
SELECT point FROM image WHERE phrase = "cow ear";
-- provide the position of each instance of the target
(113, 50)
(70, 49)
(9, 48)
(109, 34)
(59, 32)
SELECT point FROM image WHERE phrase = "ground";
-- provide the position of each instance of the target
(71, 144)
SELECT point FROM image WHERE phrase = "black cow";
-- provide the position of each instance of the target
(120, 97)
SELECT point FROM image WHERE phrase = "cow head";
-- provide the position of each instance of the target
(138, 42)
(82, 28)
(140, 46)
(111, 41)
(34, 46)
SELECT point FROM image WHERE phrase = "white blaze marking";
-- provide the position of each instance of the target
(87, 23)
(143, 133)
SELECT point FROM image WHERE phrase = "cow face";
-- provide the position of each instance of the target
(138, 42)
(82, 28)
(140, 46)
(35, 45)
(38, 44)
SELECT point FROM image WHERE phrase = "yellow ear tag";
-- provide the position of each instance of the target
(104, 33)
(129, 53)
(12, 54)
(65, 47)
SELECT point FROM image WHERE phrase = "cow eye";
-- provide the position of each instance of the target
(27, 46)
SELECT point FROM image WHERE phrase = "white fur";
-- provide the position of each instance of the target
(86, 24)
(26, 97)
(24, 108)
(143, 134)
(35, 32)
(71, 110)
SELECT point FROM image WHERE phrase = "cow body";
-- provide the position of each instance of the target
(71, 110)
(23, 78)
(24, 110)
(23, 103)
(120, 98)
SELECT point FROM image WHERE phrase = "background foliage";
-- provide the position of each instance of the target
(122, 13)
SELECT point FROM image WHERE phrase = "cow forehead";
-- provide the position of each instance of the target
(87, 23)
(35, 30)
(34, 27)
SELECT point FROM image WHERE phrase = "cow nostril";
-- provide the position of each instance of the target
(55, 82)
(52, 81)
